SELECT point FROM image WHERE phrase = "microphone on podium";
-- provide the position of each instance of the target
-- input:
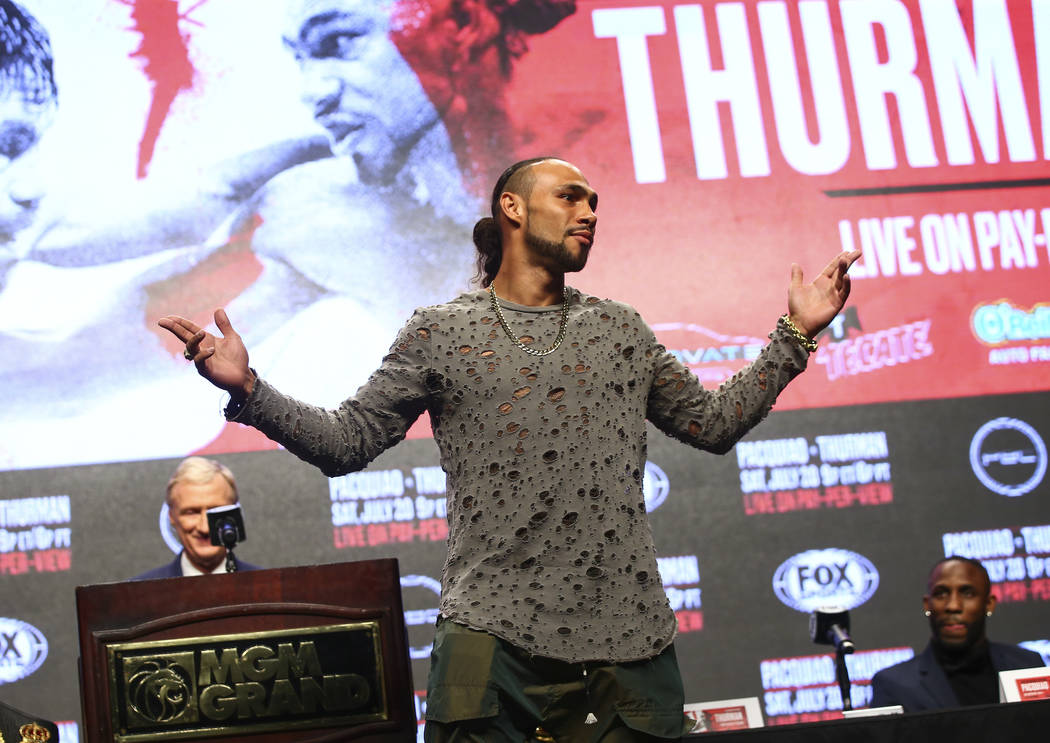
(226, 526)
(830, 626)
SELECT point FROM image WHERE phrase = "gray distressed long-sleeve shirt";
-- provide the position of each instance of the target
(549, 544)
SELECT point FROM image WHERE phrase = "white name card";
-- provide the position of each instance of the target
(1024, 685)
(724, 714)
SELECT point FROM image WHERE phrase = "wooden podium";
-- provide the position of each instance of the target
(309, 654)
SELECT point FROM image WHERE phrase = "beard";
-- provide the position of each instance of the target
(556, 255)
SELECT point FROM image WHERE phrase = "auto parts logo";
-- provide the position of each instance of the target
(23, 649)
(827, 577)
(1008, 456)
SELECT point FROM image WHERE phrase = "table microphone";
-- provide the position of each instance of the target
(830, 626)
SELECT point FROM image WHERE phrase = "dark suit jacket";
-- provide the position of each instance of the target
(919, 683)
(174, 569)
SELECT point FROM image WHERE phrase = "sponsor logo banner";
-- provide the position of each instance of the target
(681, 581)
(804, 688)
(825, 577)
(829, 471)
(1017, 559)
(1008, 456)
(277, 680)
(23, 649)
(35, 535)
(420, 594)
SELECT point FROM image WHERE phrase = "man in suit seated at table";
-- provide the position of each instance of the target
(960, 666)
(197, 485)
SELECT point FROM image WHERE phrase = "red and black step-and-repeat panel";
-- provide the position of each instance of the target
(316, 167)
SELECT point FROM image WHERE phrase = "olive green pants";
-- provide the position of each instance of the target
(482, 689)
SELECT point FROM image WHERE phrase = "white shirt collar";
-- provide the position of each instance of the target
(188, 568)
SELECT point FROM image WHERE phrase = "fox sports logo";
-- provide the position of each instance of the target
(828, 577)
(23, 649)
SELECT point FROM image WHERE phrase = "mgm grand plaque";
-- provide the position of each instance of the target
(254, 682)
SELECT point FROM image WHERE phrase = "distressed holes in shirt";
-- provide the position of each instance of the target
(521, 392)
(556, 394)
(505, 408)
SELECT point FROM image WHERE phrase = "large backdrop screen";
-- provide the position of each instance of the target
(316, 167)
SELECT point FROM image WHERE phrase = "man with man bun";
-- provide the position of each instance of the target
(553, 618)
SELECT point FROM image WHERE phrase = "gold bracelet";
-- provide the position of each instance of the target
(801, 338)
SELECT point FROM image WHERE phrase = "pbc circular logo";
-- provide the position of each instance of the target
(23, 649)
(1008, 456)
(829, 577)
(170, 538)
(416, 617)
(655, 487)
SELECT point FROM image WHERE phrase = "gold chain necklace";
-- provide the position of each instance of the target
(514, 339)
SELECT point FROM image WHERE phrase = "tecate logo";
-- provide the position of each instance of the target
(827, 577)
(23, 649)
(1008, 456)
(655, 487)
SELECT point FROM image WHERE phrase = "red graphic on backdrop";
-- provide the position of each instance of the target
(164, 51)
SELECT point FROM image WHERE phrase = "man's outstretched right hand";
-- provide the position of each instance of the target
(223, 361)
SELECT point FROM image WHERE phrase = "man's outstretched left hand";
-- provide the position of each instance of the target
(812, 306)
